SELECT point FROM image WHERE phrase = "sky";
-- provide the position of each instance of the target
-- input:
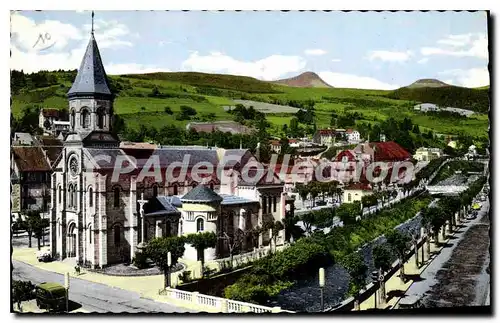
(371, 50)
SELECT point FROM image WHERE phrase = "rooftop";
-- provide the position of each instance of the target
(201, 194)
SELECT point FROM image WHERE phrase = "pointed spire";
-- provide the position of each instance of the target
(91, 78)
(92, 30)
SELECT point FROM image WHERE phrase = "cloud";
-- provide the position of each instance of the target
(29, 36)
(315, 52)
(132, 68)
(354, 81)
(390, 56)
(336, 60)
(456, 40)
(466, 45)
(64, 46)
(269, 68)
(423, 60)
(474, 77)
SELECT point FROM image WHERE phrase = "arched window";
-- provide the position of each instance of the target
(349, 197)
(90, 234)
(194, 184)
(176, 189)
(212, 186)
(85, 118)
(117, 234)
(100, 118)
(155, 190)
(70, 193)
(59, 194)
(116, 197)
(91, 197)
(199, 225)
(73, 119)
(75, 197)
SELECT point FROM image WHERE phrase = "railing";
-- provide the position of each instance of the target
(216, 304)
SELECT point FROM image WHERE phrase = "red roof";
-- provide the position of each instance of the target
(348, 153)
(389, 151)
(349, 131)
(30, 159)
(274, 142)
(359, 186)
(326, 132)
(53, 113)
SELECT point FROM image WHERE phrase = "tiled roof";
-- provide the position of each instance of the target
(326, 132)
(201, 194)
(358, 186)
(30, 159)
(160, 205)
(389, 151)
(91, 77)
(52, 113)
(228, 199)
(52, 146)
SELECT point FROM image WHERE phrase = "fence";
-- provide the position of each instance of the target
(207, 303)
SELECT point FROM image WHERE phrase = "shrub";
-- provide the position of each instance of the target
(185, 276)
(22, 290)
(168, 110)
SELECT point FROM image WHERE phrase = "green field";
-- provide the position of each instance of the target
(208, 93)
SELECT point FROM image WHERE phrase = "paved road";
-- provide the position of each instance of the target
(441, 283)
(95, 297)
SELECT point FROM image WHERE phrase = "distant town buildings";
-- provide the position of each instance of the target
(355, 192)
(329, 137)
(232, 127)
(353, 136)
(54, 121)
(430, 107)
(427, 154)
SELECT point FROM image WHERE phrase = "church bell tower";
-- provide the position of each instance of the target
(91, 101)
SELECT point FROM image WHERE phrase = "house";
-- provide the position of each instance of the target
(426, 107)
(98, 219)
(427, 154)
(452, 144)
(30, 179)
(23, 139)
(54, 121)
(324, 137)
(222, 126)
(353, 136)
(275, 145)
(355, 192)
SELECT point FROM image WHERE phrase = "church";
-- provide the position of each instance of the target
(99, 218)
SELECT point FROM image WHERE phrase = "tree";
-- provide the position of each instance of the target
(168, 110)
(399, 243)
(31, 224)
(39, 226)
(382, 261)
(201, 241)
(275, 227)
(22, 291)
(158, 248)
(348, 212)
(356, 268)
(307, 219)
(292, 230)
(233, 242)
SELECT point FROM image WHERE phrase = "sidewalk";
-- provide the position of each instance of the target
(394, 288)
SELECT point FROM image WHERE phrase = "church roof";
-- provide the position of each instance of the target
(91, 78)
(201, 194)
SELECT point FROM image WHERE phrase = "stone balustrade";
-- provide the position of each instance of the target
(213, 304)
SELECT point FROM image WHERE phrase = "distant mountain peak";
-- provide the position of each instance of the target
(427, 83)
(306, 79)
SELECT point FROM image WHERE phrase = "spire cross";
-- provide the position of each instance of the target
(92, 22)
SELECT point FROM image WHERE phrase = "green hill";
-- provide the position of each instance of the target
(446, 96)
(156, 100)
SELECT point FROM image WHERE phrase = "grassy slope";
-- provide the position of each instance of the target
(128, 104)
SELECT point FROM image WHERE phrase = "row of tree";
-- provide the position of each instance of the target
(34, 225)
(434, 219)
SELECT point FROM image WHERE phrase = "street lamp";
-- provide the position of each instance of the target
(321, 286)
(169, 263)
(66, 285)
(374, 277)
